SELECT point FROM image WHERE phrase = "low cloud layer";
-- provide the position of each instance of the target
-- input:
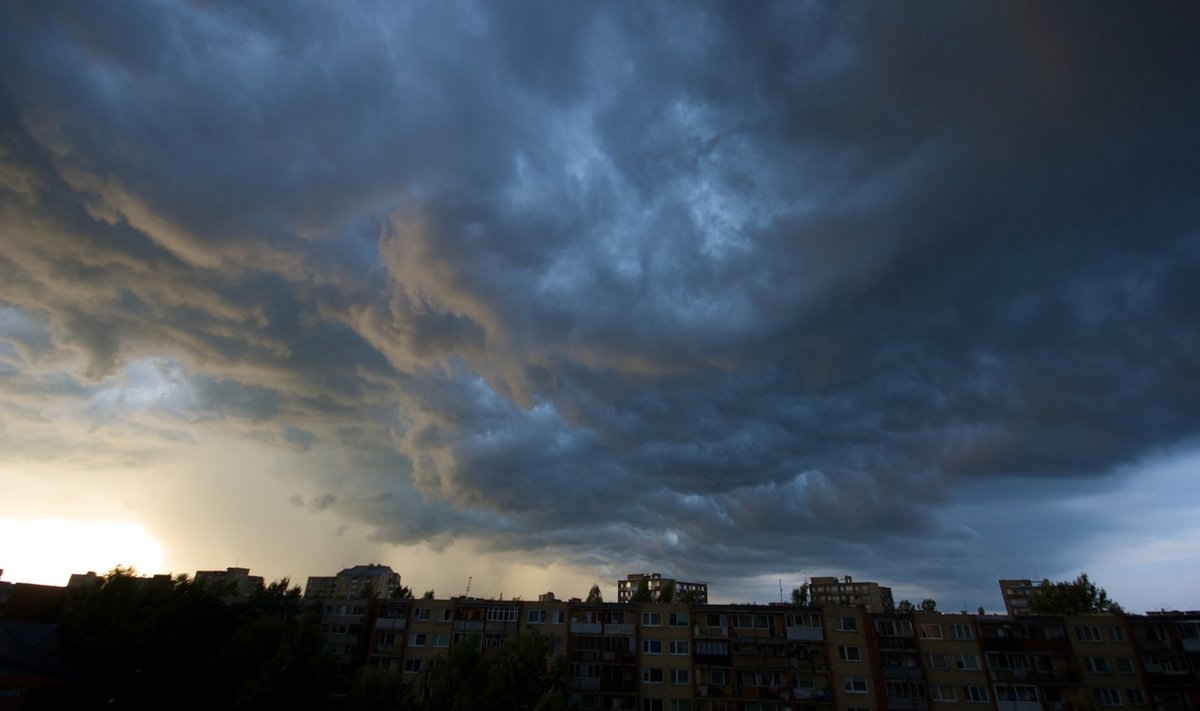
(725, 291)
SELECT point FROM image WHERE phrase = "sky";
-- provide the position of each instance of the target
(526, 296)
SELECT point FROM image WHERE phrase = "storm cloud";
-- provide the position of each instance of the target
(726, 290)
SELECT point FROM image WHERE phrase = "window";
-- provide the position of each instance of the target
(417, 640)
(716, 677)
(1107, 697)
(747, 621)
(445, 614)
(679, 646)
(1023, 693)
(896, 689)
(557, 617)
(1054, 632)
(681, 705)
(651, 646)
(1086, 633)
(422, 613)
(1008, 661)
(652, 675)
(1125, 665)
(961, 632)
(1096, 665)
(941, 692)
(849, 654)
(931, 631)
(652, 705)
(678, 619)
(652, 619)
(847, 624)
(803, 619)
(412, 666)
(712, 647)
(1116, 633)
(441, 640)
(854, 684)
(967, 662)
(975, 694)
(536, 617)
(938, 661)
(1135, 696)
(893, 628)
(681, 677)
(502, 614)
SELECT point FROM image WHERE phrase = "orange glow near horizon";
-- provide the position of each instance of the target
(48, 551)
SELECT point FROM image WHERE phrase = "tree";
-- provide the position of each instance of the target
(905, 606)
(929, 605)
(594, 595)
(1071, 597)
(666, 594)
(689, 597)
(403, 593)
(427, 595)
(642, 594)
(800, 595)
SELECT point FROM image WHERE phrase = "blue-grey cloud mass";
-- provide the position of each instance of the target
(727, 290)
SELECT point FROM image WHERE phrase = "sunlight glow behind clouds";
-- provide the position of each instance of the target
(39, 550)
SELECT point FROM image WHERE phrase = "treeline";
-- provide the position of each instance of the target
(146, 643)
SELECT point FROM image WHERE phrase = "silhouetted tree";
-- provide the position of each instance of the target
(666, 594)
(929, 605)
(800, 595)
(594, 594)
(689, 597)
(427, 595)
(1071, 597)
(403, 593)
(905, 606)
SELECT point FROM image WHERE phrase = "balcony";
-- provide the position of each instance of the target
(625, 629)
(805, 634)
(908, 704)
(586, 627)
(389, 624)
(707, 631)
(468, 625)
(585, 684)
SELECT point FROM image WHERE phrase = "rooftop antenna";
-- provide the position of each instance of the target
(468, 587)
(781, 590)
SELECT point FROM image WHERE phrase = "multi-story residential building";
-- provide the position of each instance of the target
(656, 585)
(1016, 594)
(855, 683)
(844, 591)
(1106, 660)
(361, 581)
(602, 648)
(1168, 647)
(897, 661)
(952, 661)
(782, 657)
(235, 582)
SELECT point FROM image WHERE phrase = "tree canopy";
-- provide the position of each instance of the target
(1071, 597)
(594, 594)
(800, 595)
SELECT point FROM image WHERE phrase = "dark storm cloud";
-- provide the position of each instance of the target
(735, 290)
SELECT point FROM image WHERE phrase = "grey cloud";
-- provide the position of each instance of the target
(739, 289)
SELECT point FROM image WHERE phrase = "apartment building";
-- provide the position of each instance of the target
(855, 683)
(235, 582)
(360, 581)
(784, 657)
(656, 585)
(952, 660)
(1167, 645)
(845, 591)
